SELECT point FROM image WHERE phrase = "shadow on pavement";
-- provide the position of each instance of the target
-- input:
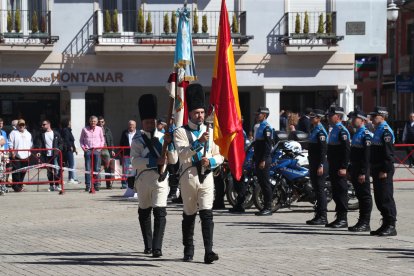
(396, 253)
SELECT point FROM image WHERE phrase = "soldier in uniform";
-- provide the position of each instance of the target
(359, 170)
(338, 158)
(317, 158)
(262, 159)
(146, 155)
(198, 155)
(382, 171)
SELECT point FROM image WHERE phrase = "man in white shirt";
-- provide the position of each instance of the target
(126, 141)
(50, 139)
(20, 140)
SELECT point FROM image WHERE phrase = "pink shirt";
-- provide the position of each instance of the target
(92, 138)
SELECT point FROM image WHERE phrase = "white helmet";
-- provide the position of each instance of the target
(293, 146)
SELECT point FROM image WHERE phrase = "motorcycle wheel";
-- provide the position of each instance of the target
(328, 190)
(353, 203)
(231, 195)
(278, 195)
(17, 187)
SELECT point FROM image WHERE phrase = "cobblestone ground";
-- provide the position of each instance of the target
(84, 234)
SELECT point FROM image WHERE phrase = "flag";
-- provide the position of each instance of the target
(228, 130)
(180, 110)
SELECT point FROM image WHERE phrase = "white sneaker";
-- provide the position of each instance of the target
(57, 188)
(129, 192)
(72, 181)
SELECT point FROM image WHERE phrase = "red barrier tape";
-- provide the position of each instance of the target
(402, 162)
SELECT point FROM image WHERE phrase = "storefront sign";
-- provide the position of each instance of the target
(405, 84)
(355, 28)
(63, 78)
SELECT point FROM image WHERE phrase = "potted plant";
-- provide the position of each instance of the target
(235, 27)
(306, 25)
(195, 24)
(173, 22)
(17, 25)
(35, 24)
(166, 27)
(141, 33)
(148, 25)
(204, 26)
(43, 26)
(9, 22)
(115, 27)
(297, 34)
(320, 33)
(107, 22)
(35, 27)
(329, 29)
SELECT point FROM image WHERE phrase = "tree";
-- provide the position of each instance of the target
(148, 26)
(141, 22)
(173, 23)
(115, 27)
(17, 21)
(320, 24)
(166, 24)
(107, 23)
(297, 24)
(195, 22)
(9, 22)
(204, 27)
(43, 26)
(35, 24)
(306, 24)
(235, 25)
(329, 23)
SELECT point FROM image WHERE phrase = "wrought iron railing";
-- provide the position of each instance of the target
(26, 27)
(128, 29)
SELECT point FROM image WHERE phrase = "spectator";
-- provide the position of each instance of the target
(283, 121)
(107, 153)
(20, 139)
(408, 137)
(293, 120)
(49, 139)
(92, 137)
(304, 124)
(126, 140)
(3, 134)
(69, 149)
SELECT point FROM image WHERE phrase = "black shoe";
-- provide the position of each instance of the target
(361, 226)
(97, 189)
(210, 257)
(219, 206)
(338, 223)
(147, 251)
(264, 212)
(388, 231)
(317, 220)
(109, 187)
(237, 209)
(177, 200)
(187, 258)
(379, 230)
(156, 253)
(87, 189)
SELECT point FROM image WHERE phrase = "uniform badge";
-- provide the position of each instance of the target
(345, 137)
(387, 139)
(322, 138)
(368, 143)
(268, 133)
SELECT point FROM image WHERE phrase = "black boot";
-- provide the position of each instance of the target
(238, 208)
(319, 219)
(361, 226)
(207, 229)
(188, 233)
(144, 217)
(379, 230)
(340, 221)
(159, 227)
(388, 230)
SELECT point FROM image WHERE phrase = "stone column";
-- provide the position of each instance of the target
(272, 101)
(77, 110)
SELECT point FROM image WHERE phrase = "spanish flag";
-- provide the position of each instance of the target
(228, 130)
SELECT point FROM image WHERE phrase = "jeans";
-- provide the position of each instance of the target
(96, 166)
(70, 164)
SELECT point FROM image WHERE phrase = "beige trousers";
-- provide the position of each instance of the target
(151, 193)
(196, 196)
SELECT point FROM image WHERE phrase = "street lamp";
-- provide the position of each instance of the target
(392, 16)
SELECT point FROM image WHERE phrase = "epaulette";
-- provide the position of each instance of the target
(366, 131)
(386, 127)
(340, 127)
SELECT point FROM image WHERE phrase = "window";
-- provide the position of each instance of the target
(38, 6)
(13, 5)
(109, 5)
(129, 15)
(410, 39)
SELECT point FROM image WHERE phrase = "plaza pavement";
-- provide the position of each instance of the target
(43, 233)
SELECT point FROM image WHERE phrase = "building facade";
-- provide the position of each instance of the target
(73, 59)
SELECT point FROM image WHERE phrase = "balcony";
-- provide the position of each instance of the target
(309, 32)
(27, 31)
(126, 38)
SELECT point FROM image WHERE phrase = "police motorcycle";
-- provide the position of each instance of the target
(290, 180)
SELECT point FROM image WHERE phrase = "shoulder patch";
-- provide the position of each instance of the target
(344, 137)
(340, 127)
(368, 143)
(322, 138)
(366, 131)
(387, 139)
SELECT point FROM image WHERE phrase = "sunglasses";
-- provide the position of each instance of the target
(21, 125)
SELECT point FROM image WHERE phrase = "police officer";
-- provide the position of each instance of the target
(262, 159)
(146, 155)
(382, 171)
(317, 158)
(338, 158)
(198, 156)
(359, 170)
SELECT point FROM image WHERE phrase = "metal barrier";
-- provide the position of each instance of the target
(37, 159)
(118, 152)
(402, 162)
